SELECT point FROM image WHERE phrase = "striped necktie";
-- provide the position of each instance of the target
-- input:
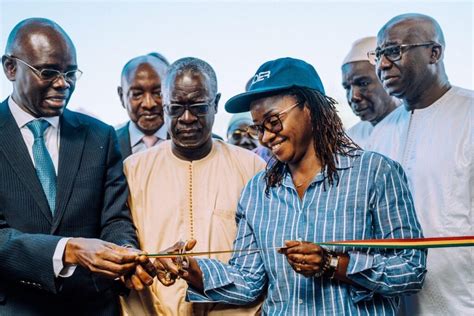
(43, 162)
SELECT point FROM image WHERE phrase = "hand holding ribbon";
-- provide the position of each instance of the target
(143, 273)
(304, 257)
(170, 269)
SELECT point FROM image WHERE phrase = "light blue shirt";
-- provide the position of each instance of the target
(370, 201)
(136, 136)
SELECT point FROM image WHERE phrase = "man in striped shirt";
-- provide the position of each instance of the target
(322, 188)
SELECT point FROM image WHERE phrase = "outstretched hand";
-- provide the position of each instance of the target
(111, 261)
(100, 257)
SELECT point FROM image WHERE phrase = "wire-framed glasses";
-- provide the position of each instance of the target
(47, 74)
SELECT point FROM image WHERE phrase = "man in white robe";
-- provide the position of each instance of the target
(431, 135)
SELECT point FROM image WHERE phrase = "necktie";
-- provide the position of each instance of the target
(149, 140)
(43, 162)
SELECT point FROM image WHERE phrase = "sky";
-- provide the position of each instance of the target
(234, 37)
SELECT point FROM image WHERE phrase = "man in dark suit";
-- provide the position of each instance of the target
(65, 230)
(140, 95)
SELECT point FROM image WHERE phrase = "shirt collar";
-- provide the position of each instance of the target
(22, 118)
(343, 163)
(136, 135)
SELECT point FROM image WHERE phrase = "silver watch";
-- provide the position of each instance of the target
(333, 262)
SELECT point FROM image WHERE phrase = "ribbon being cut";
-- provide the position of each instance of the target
(404, 243)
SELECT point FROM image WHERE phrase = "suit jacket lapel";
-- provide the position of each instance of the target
(73, 135)
(123, 136)
(14, 148)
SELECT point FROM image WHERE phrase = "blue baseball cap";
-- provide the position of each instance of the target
(274, 76)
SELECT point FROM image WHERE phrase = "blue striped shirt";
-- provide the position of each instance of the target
(370, 201)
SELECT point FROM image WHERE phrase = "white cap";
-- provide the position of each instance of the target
(359, 50)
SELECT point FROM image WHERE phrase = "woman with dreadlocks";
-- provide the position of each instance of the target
(321, 187)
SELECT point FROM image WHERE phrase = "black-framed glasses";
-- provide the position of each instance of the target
(197, 109)
(238, 134)
(272, 123)
(47, 74)
(394, 52)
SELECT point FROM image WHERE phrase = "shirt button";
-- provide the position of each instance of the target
(299, 239)
(300, 301)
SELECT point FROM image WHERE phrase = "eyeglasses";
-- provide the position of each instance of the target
(51, 74)
(197, 109)
(394, 52)
(238, 134)
(272, 124)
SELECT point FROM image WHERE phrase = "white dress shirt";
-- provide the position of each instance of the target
(52, 140)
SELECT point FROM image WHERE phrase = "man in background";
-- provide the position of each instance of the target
(188, 187)
(364, 92)
(237, 134)
(431, 135)
(237, 131)
(140, 95)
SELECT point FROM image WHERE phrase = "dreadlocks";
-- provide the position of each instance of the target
(328, 135)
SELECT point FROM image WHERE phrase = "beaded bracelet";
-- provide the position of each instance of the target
(324, 265)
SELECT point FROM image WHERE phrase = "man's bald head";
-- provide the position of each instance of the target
(133, 64)
(140, 92)
(35, 45)
(38, 32)
(419, 26)
(411, 62)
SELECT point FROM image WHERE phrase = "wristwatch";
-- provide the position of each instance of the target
(329, 264)
(333, 263)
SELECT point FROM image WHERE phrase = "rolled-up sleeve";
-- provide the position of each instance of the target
(389, 272)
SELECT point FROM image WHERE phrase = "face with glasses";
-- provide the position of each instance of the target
(43, 71)
(405, 58)
(238, 134)
(189, 110)
(283, 125)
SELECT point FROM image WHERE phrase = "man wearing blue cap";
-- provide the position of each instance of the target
(321, 188)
